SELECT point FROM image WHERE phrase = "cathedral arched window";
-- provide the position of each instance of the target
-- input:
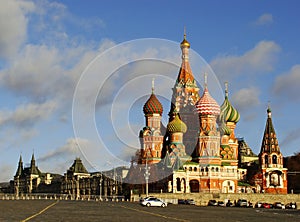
(274, 159)
(266, 159)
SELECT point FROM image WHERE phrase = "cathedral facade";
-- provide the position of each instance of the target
(198, 147)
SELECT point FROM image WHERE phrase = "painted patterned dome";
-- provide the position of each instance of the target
(176, 125)
(207, 105)
(153, 106)
(228, 112)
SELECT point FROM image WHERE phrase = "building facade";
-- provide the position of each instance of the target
(198, 148)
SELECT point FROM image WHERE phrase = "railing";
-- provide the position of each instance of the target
(41, 196)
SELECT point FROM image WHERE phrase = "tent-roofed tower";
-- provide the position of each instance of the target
(274, 175)
(184, 97)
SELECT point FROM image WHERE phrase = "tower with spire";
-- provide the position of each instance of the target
(184, 97)
(274, 175)
(27, 179)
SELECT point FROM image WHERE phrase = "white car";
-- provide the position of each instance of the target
(153, 202)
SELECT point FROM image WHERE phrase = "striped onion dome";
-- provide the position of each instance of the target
(176, 125)
(153, 106)
(228, 112)
(207, 105)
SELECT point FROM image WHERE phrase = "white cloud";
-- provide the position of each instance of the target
(7, 172)
(27, 115)
(257, 60)
(246, 98)
(71, 148)
(62, 156)
(13, 25)
(264, 19)
(287, 84)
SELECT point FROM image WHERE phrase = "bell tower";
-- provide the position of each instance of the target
(274, 175)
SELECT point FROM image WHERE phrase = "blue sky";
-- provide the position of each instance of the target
(47, 48)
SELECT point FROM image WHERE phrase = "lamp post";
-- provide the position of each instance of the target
(147, 174)
(100, 184)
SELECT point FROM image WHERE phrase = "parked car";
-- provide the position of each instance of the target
(250, 205)
(229, 204)
(242, 203)
(190, 202)
(278, 205)
(181, 201)
(258, 204)
(212, 203)
(145, 198)
(221, 204)
(291, 205)
(153, 202)
(266, 205)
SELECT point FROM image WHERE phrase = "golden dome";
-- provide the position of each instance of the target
(184, 42)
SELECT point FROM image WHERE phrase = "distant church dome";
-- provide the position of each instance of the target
(153, 106)
(176, 125)
(207, 105)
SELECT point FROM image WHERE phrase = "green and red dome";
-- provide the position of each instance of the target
(153, 106)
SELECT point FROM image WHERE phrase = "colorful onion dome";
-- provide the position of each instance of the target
(176, 125)
(207, 105)
(153, 106)
(228, 112)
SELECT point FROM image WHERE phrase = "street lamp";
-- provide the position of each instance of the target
(147, 174)
(100, 191)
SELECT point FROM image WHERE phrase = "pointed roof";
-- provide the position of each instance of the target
(78, 167)
(33, 168)
(166, 162)
(269, 142)
(177, 164)
(20, 167)
(185, 76)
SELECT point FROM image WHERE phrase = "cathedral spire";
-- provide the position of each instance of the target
(20, 167)
(270, 142)
(152, 88)
(226, 89)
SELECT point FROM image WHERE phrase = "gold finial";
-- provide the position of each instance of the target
(184, 42)
(153, 85)
(205, 79)
(226, 89)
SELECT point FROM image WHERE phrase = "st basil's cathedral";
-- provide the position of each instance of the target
(198, 151)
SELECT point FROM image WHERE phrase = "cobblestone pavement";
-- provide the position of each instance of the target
(52, 210)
